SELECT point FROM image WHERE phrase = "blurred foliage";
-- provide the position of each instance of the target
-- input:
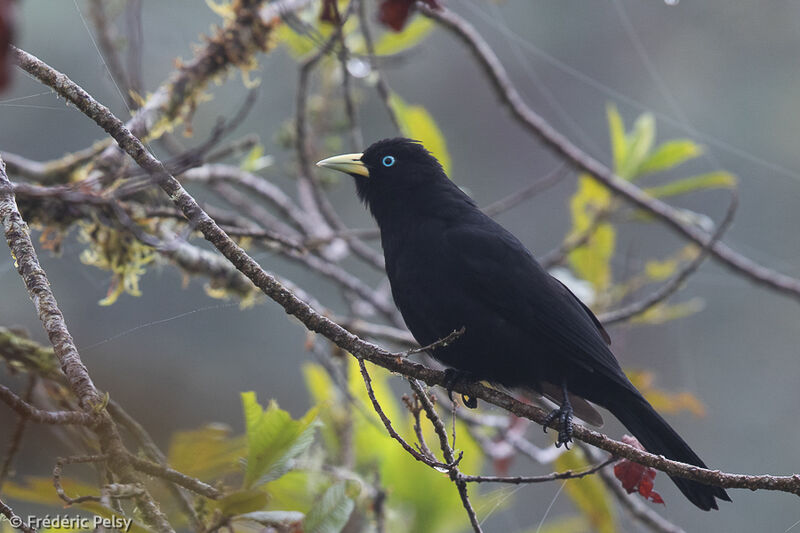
(420, 498)
(273, 475)
(588, 493)
(595, 211)
(665, 401)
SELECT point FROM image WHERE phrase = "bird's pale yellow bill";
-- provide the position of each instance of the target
(347, 163)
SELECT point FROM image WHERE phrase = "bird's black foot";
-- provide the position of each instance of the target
(564, 416)
(454, 377)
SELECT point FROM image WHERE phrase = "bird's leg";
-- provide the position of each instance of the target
(454, 377)
(564, 416)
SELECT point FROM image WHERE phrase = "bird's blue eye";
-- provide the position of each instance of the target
(388, 161)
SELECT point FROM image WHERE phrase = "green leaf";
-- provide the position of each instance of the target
(416, 123)
(711, 180)
(592, 261)
(241, 502)
(273, 439)
(670, 154)
(588, 493)
(331, 512)
(412, 35)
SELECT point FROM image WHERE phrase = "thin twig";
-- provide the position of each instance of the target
(135, 41)
(529, 191)
(388, 423)
(55, 171)
(447, 452)
(668, 289)
(28, 411)
(19, 431)
(15, 521)
(522, 480)
(356, 139)
(179, 478)
(58, 469)
(445, 341)
(415, 407)
(77, 376)
(106, 35)
(380, 82)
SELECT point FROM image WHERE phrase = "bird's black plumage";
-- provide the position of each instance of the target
(451, 266)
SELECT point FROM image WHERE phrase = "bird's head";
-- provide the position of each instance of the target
(388, 168)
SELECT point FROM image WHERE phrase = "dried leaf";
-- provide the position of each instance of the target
(635, 477)
(395, 13)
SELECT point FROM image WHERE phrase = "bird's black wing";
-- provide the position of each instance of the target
(495, 268)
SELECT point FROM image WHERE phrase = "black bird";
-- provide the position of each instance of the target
(451, 266)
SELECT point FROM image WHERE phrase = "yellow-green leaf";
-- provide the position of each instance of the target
(395, 42)
(711, 180)
(616, 132)
(416, 123)
(656, 270)
(663, 313)
(670, 154)
(665, 401)
(592, 261)
(208, 453)
(588, 493)
(273, 439)
(639, 143)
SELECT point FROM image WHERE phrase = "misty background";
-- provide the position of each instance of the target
(726, 74)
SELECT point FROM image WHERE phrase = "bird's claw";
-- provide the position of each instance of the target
(564, 416)
(454, 377)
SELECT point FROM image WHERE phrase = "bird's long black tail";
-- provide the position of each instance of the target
(657, 437)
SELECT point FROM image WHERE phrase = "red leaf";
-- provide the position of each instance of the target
(635, 477)
(6, 35)
(329, 12)
(395, 13)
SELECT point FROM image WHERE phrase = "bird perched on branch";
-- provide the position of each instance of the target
(451, 266)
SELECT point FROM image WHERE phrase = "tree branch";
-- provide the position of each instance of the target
(29, 412)
(89, 399)
(535, 124)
